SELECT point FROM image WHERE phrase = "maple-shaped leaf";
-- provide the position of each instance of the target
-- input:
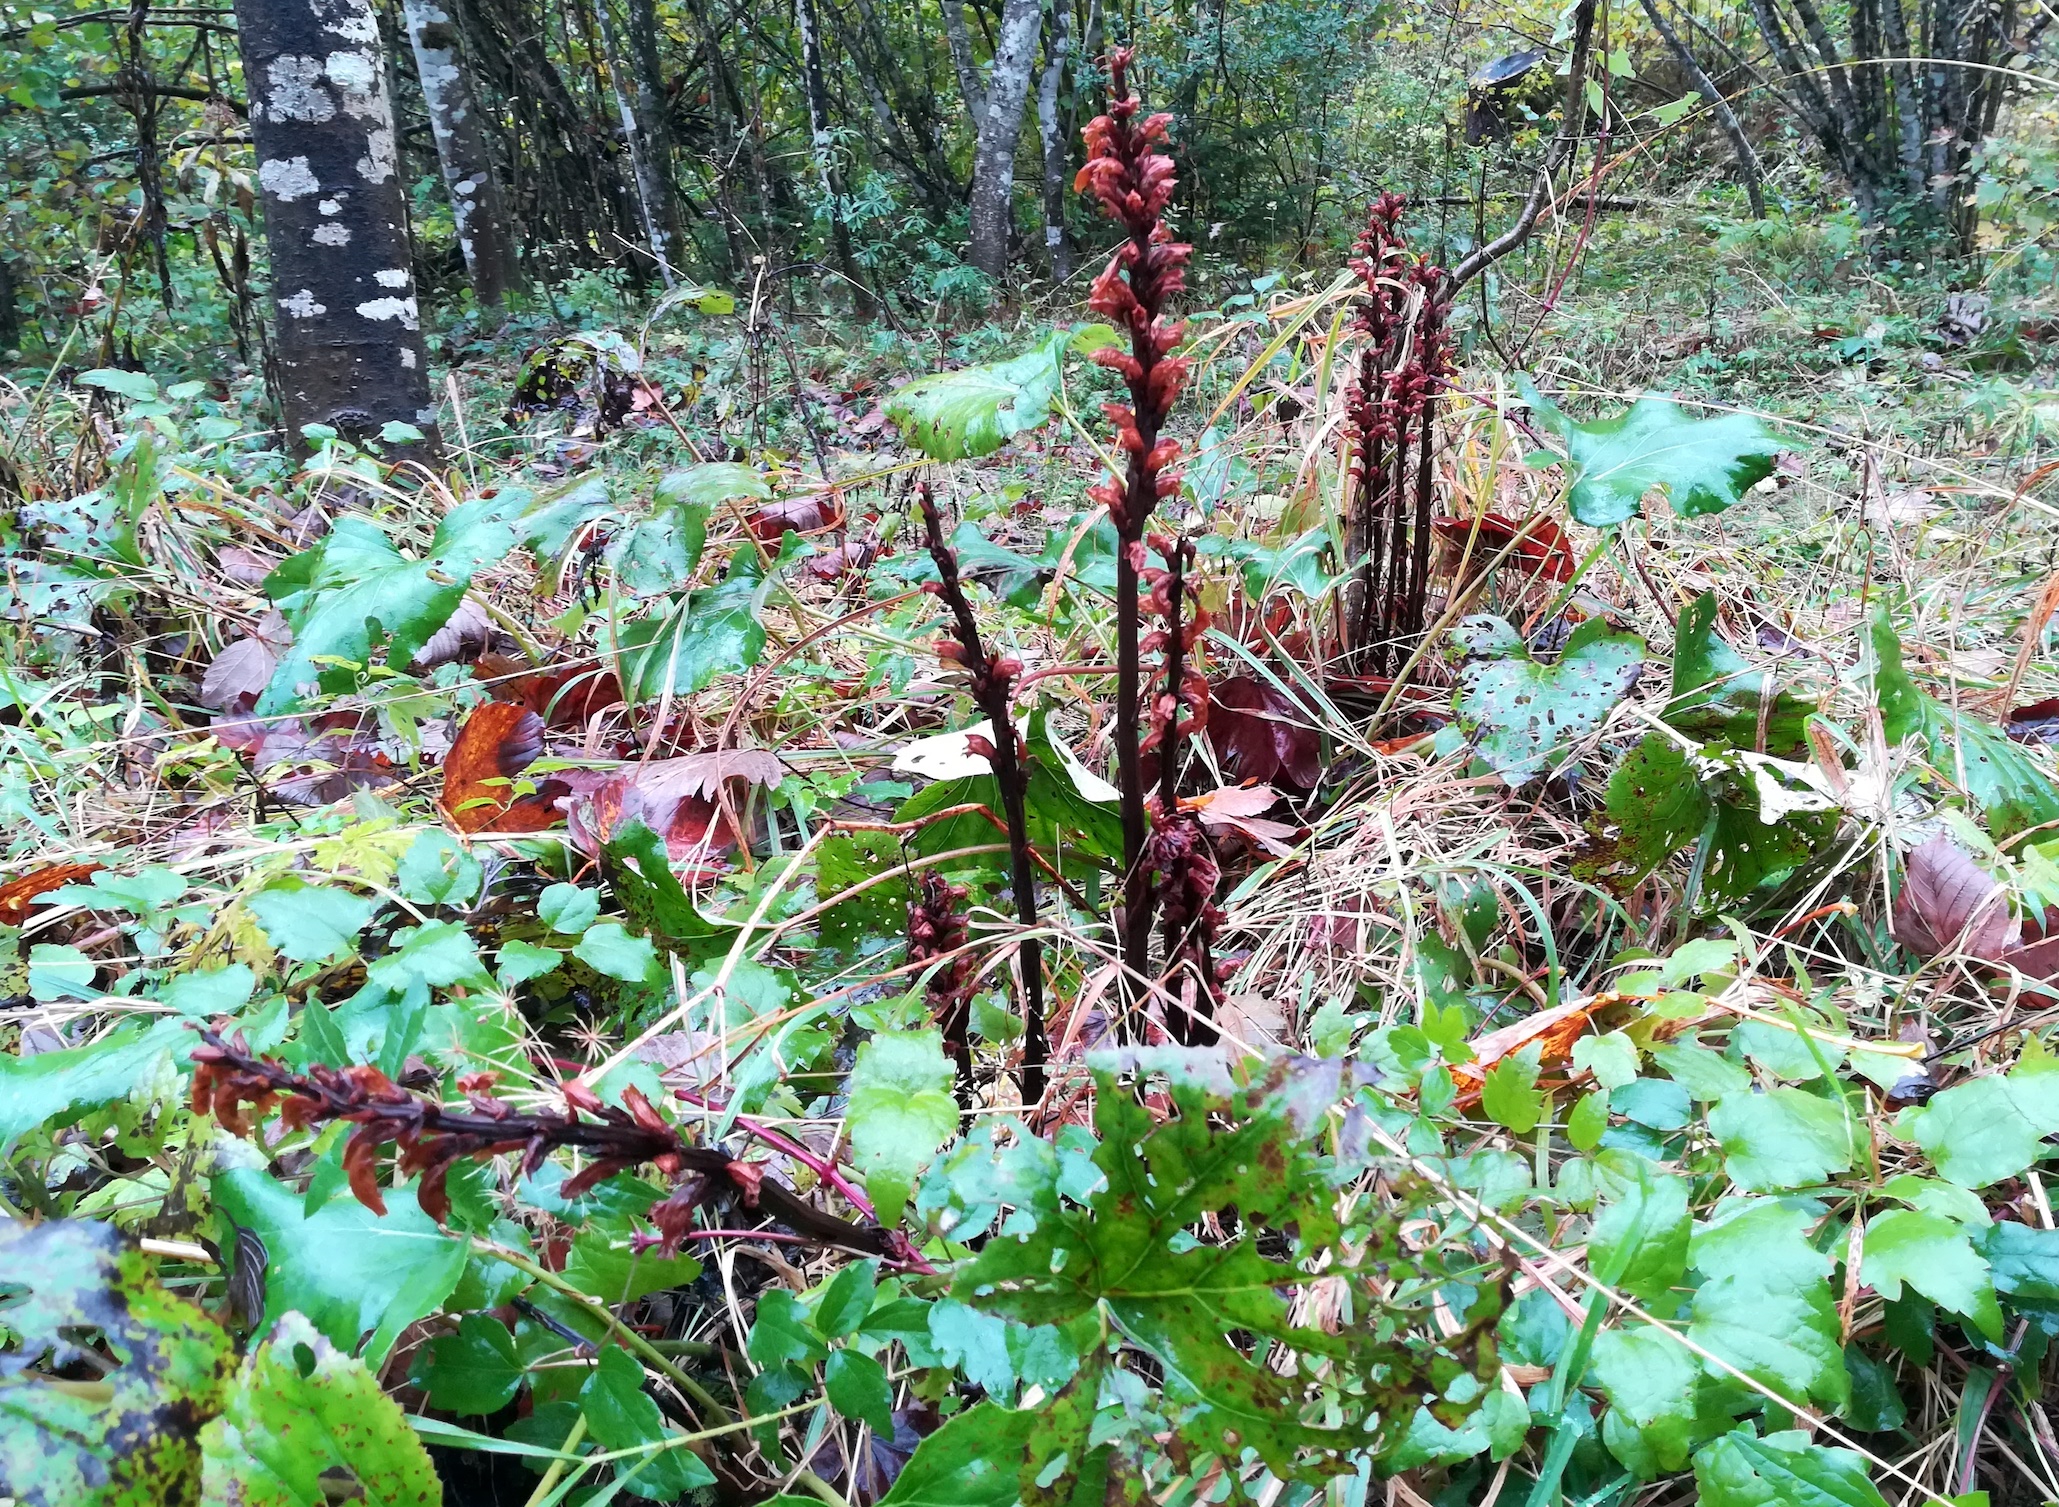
(356, 583)
(1217, 1317)
(1702, 465)
(498, 741)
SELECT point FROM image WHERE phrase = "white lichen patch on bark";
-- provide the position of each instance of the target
(293, 90)
(302, 305)
(287, 179)
(378, 163)
(331, 235)
(402, 309)
(391, 277)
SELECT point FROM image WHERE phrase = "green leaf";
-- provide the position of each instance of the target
(1650, 1379)
(1509, 1092)
(846, 1300)
(210, 992)
(717, 630)
(974, 411)
(1718, 698)
(518, 962)
(1980, 1132)
(901, 1108)
(858, 1388)
(1785, 1138)
(1639, 1240)
(1703, 465)
(54, 1088)
(139, 387)
(607, 948)
(302, 1414)
(1935, 1256)
(2025, 1262)
(351, 1271)
(781, 1334)
(133, 1446)
(568, 909)
(972, 1461)
(474, 1371)
(620, 1416)
(355, 584)
(311, 923)
(1781, 1332)
(712, 483)
(1780, 1470)
(1525, 718)
(603, 1263)
(437, 870)
(2009, 787)
(1612, 1058)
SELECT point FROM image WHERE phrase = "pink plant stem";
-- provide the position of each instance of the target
(785, 1147)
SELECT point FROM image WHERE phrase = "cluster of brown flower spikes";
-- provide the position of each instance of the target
(1404, 367)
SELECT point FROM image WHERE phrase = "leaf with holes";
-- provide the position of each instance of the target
(974, 411)
(1524, 718)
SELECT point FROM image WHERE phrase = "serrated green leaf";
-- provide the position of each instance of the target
(1935, 1256)
(604, 1262)
(1780, 1470)
(717, 630)
(311, 923)
(1785, 1138)
(474, 1371)
(712, 482)
(1639, 1240)
(857, 1387)
(974, 411)
(1994, 1127)
(54, 1088)
(1650, 1379)
(437, 870)
(620, 1416)
(1703, 465)
(1509, 1091)
(608, 948)
(901, 1107)
(846, 1299)
(972, 1461)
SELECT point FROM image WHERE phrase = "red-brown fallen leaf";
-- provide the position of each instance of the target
(1260, 735)
(853, 554)
(1556, 1029)
(498, 741)
(1542, 551)
(809, 514)
(566, 696)
(2035, 723)
(17, 893)
(1239, 808)
(1947, 898)
(244, 667)
(676, 798)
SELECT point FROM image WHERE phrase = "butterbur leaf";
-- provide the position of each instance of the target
(303, 1419)
(974, 411)
(1949, 900)
(499, 740)
(1261, 735)
(136, 1443)
(1780, 1470)
(1525, 718)
(1703, 465)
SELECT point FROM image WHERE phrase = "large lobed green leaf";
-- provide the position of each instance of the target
(1526, 718)
(974, 411)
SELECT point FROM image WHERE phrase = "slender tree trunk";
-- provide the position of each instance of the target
(653, 118)
(1051, 127)
(962, 63)
(1726, 118)
(817, 91)
(653, 192)
(484, 233)
(350, 348)
(993, 157)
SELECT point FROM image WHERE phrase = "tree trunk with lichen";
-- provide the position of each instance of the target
(350, 348)
(484, 233)
(1000, 129)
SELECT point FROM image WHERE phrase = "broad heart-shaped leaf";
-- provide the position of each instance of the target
(55, 1088)
(1523, 717)
(1211, 1315)
(715, 631)
(301, 1415)
(2008, 787)
(311, 923)
(350, 1271)
(1703, 465)
(1781, 1332)
(1980, 1132)
(355, 583)
(974, 411)
(1639, 1241)
(1935, 1256)
(1784, 1138)
(1781, 1470)
(901, 1109)
(60, 1447)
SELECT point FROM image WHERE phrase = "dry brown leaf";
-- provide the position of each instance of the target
(498, 741)
(1949, 899)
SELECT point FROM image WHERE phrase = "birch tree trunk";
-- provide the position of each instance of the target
(484, 233)
(1055, 138)
(1000, 129)
(349, 350)
(962, 64)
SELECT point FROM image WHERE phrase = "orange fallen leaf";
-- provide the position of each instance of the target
(498, 741)
(1556, 1029)
(17, 893)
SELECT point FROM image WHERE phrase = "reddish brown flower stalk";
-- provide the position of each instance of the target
(1404, 366)
(228, 1078)
(1186, 873)
(992, 683)
(937, 930)
(1133, 181)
